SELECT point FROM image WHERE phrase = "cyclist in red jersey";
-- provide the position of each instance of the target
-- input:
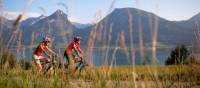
(72, 49)
(38, 54)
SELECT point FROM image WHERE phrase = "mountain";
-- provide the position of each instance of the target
(190, 23)
(5, 28)
(195, 18)
(169, 32)
(80, 25)
(56, 25)
(31, 21)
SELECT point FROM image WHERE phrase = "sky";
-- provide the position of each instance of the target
(83, 11)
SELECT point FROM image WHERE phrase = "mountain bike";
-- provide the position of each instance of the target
(49, 68)
(80, 63)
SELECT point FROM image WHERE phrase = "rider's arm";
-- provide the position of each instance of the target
(77, 47)
(77, 50)
(46, 54)
(51, 51)
(81, 54)
(80, 50)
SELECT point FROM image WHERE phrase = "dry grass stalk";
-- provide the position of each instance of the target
(155, 32)
(123, 46)
(132, 49)
(105, 35)
(108, 46)
(32, 42)
(140, 33)
(150, 25)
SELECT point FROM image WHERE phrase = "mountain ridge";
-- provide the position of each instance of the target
(170, 32)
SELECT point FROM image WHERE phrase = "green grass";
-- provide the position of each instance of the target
(105, 77)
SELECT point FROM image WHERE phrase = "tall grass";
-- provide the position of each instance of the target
(171, 76)
(106, 76)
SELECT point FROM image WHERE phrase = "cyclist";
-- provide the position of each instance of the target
(72, 51)
(38, 53)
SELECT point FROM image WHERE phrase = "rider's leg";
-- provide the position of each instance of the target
(67, 60)
(78, 66)
(81, 66)
(44, 59)
(47, 61)
(39, 66)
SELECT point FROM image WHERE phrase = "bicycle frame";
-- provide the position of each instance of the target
(51, 65)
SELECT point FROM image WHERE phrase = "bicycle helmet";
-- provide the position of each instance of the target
(77, 38)
(47, 39)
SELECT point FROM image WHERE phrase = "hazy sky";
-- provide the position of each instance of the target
(83, 11)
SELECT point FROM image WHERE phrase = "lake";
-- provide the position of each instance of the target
(98, 54)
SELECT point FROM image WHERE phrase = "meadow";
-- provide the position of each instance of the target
(138, 76)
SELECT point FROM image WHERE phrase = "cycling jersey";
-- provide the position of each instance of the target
(39, 51)
(72, 46)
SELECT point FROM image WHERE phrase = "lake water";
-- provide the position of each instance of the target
(97, 58)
